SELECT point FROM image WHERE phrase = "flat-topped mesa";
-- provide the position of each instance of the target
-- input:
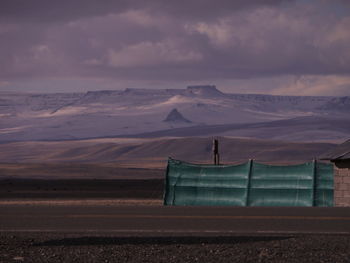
(337, 104)
(98, 96)
(149, 92)
(204, 90)
(139, 91)
(175, 116)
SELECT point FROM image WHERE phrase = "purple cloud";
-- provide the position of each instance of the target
(168, 42)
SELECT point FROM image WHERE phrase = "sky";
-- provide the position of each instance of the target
(284, 47)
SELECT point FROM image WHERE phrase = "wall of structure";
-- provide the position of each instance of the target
(341, 187)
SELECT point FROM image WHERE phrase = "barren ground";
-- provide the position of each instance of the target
(49, 247)
(17, 186)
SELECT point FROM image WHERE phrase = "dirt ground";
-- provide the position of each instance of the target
(81, 189)
(98, 171)
(51, 247)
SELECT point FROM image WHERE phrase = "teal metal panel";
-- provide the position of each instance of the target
(290, 185)
(189, 184)
(249, 184)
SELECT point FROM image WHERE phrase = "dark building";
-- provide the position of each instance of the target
(340, 156)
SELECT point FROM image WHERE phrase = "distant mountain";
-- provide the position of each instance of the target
(176, 117)
(341, 104)
(199, 110)
(204, 91)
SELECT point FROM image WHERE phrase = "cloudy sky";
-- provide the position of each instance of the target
(299, 47)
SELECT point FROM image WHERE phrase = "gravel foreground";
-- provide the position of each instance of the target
(50, 247)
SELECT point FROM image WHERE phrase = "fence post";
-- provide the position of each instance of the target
(216, 152)
(248, 183)
(314, 184)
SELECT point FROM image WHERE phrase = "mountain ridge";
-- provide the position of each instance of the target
(129, 112)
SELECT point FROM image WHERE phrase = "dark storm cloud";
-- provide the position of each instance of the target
(44, 11)
(67, 10)
(155, 40)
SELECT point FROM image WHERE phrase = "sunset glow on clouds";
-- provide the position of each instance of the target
(279, 47)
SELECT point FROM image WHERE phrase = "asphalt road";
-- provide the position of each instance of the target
(155, 219)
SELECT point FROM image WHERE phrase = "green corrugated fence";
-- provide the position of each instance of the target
(249, 184)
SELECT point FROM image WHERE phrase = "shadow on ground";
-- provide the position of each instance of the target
(90, 241)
